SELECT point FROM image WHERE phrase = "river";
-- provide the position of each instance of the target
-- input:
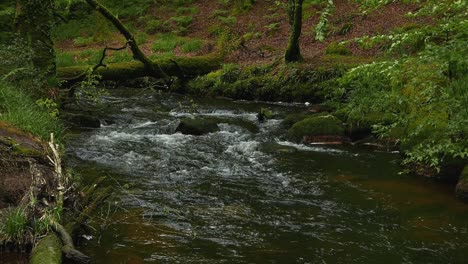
(236, 196)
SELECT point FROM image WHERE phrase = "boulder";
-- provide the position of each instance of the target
(462, 187)
(197, 126)
(318, 129)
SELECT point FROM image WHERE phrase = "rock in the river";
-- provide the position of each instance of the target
(81, 120)
(318, 129)
(197, 126)
(462, 186)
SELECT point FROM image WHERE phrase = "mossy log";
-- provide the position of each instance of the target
(47, 251)
(190, 67)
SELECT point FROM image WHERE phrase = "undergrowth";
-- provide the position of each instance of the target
(18, 108)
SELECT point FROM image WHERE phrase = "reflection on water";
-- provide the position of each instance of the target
(13, 258)
(239, 197)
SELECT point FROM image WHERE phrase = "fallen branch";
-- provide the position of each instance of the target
(137, 53)
(68, 248)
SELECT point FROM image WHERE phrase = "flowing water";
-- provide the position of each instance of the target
(236, 196)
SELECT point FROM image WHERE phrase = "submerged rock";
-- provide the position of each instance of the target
(273, 147)
(197, 126)
(462, 187)
(201, 126)
(318, 129)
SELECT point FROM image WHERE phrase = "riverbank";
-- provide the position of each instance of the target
(37, 194)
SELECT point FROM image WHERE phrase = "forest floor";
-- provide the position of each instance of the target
(260, 33)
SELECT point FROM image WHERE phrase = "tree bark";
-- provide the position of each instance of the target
(293, 52)
(34, 21)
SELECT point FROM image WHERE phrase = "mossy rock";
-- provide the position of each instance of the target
(197, 126)
(461, 190)
(317, 126)
(362, 126)
(292, 119)
(20, 142)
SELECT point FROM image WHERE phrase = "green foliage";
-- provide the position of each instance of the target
(337, 48)
(192, 45)
(273, 27)
(127, 9)
(228, 21)
(187, 10)
(14, 225)
(65, 59)
(423, 97)
(345, 29)
(282, 83)
(48, 105)
(163, 56)
(141, 38)
(165, 43)
(120, 56)
(19, 109)
(153, 26)
(181, 2)
(321, 29)
(89, 90)
(93, 25)
(82, 41)
(183, 21)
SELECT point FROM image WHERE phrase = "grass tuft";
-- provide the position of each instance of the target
(20, 109)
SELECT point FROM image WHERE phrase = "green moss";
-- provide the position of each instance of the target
(291, 119)
(316, 126)
(192, 66)
(47, 251)
(19, 149)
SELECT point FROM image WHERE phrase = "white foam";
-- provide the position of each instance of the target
(309, 148)
(144, 124)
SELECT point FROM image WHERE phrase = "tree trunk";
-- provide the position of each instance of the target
(34, 21)
(137, 53)
(293, 52)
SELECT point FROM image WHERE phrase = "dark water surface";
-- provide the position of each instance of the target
(239, 197)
